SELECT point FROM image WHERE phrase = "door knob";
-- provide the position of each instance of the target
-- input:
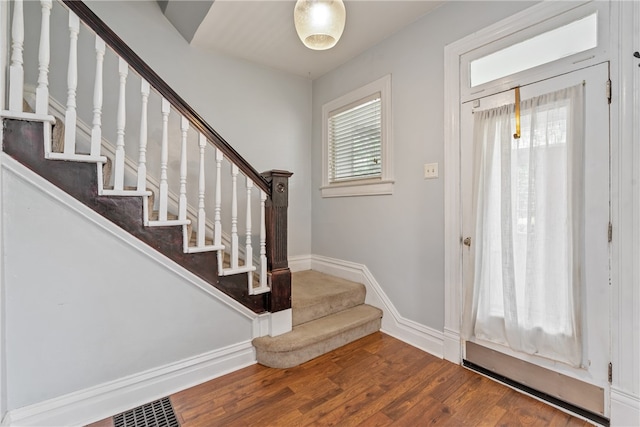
(467, 241)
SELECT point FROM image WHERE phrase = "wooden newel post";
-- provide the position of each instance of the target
(276, 219)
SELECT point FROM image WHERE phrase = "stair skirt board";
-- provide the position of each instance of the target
(131, 167)
(407, 330)
(84, 131)
(9, 164)
(312, 339)
(23, 140)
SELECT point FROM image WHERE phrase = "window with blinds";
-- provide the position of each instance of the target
(355, 140)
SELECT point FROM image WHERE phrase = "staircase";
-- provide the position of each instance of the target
(230, 230)
(170, 215)
(328, 312)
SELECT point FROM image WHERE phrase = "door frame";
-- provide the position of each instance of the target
(624, 301)
(454, 52)
(585, 387)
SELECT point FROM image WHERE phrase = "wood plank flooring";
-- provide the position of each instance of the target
(375, 381)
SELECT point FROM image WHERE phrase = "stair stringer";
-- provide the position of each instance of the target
(51, 190)
(393, 323)
(96, 402)
(83, 133)
(23, 140)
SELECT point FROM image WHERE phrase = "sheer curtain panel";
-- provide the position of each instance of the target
(528, 227)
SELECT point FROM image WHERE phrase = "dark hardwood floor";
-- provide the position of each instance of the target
(375, 381)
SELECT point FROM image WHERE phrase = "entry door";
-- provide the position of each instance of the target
(591, 258)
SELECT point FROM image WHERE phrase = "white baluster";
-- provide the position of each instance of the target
(202, 143)
(72, 84)
(118, 164)
(42, 91)
(234, 216)
(182, 205)
(263, 241)
(142, 155)
(217, 224)
(96, 130)
(248, 249)
(16, 71)
(164, 157)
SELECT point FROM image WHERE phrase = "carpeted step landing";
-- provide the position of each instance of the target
(328, 313)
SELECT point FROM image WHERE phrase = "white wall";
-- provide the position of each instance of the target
(84, 307)
(400, 237)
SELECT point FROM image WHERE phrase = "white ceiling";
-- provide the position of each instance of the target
(263, 32)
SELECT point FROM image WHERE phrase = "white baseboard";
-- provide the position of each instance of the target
(452, 348)
(299, 263)
(280, 322)
(99, 402)
(413, 333)
(106, 399)
(625, 408)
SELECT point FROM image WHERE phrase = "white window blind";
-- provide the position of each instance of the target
(355, 140)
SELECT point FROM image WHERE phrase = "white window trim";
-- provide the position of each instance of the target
(368, 186)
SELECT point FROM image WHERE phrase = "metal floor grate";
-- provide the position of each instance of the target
(155, 414)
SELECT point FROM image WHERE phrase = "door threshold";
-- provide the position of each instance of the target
(539, 394)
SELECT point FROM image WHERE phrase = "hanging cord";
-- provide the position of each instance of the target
(517, 134)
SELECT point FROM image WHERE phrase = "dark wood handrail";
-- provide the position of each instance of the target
(124, 51)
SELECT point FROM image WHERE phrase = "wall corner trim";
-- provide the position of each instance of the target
(452, 346)
(413, 333)
(299, 263)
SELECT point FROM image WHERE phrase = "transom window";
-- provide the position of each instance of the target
(574, 37)
(566, 37)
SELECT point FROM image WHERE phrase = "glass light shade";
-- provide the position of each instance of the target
(319, 23)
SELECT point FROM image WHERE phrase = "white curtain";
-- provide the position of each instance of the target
(528, 227)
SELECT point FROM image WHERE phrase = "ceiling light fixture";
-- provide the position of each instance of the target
(319, 23)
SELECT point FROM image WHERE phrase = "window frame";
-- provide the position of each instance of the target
(361, 186)
(559, 15)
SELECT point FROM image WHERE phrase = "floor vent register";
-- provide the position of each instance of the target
(155, 414)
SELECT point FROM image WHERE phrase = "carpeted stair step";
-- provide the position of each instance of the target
(153, 216)
(194, 239)
(317, 337)
(315, 295)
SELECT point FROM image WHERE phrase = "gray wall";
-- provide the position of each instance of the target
(263, 113)
(186, 15)
(110, 312)
(400, 236)
(70, 326)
